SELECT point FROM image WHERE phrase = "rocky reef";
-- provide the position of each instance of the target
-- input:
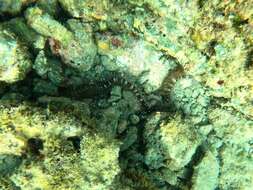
(126, 94)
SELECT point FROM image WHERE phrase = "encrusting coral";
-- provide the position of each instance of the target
(126, 94)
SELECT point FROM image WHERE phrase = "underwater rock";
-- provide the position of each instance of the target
(170, 145)
(13, 6)
(192, 98)
(81, 52)
(75, 48)
(58, 144)
(206, 173)
(130, 138)
(126, 94)
(122, 53)
(10, 143)
(47, 26)
(49, 6)
(15, 61)
(163, 143)
(25, 33)
(235, 152)
(99, 161)
(8, 163)
(48, 68)
(116, 116)
(87, 10)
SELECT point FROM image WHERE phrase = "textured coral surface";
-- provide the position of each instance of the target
(126, 95)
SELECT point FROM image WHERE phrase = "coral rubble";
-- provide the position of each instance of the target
(126, 94)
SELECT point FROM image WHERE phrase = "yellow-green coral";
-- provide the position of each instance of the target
(59, 165)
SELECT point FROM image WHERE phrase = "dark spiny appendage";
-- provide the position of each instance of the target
(103, 83)
(126, 82)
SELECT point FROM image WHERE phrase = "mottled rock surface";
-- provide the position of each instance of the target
(126, 94)
(14, 59)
